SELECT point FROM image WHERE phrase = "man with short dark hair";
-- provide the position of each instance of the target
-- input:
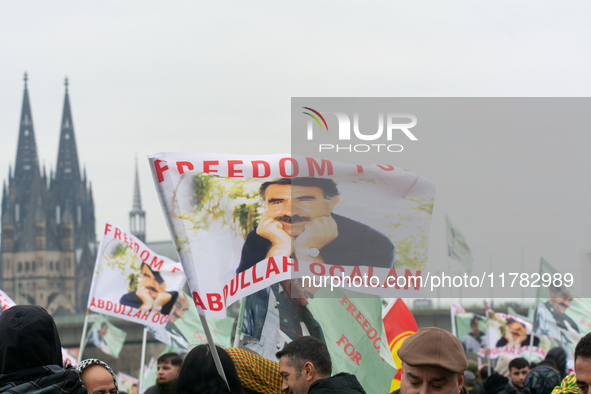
(583, 364)
(169, 366)
(518, 369)
(305, 367)
(433, 361)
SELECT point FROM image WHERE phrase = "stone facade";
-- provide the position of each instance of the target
(48, 229)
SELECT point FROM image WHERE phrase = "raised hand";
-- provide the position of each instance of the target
(317, 233)
(272, 230)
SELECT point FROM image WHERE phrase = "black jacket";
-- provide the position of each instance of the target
(341, 383)
(495, 383)
(31, 354)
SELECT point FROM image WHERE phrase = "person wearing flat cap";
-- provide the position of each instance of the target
(433, 361)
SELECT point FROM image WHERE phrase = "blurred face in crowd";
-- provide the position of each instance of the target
(166, 372)
(98, 380)
(517, 376)
(583, 373)
(429, 380)
(560, 299)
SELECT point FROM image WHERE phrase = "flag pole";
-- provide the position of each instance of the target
(240, 322)
(488, 361)
(453, 320)
(142, 361)
(83, 337)
(214, 351)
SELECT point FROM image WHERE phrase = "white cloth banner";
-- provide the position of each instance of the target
(242, 223)
(5, 301)
(507, 334)
(132, 282)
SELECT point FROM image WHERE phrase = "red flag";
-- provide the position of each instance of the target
(399, 324)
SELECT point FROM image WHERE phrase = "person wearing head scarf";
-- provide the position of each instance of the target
(97, 376)
(568, 386)
(31, 354)
(257, 374)
(541, 380)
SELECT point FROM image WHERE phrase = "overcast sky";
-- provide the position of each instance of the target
(218, 77)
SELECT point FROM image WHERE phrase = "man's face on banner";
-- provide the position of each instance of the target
(560, 299)
(103, 330)
(516, 331)
(181, 305)
(149, 282)
(294, 206)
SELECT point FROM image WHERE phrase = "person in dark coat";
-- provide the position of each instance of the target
(495, 383)
(31, 354)
(305, 367)
(559, 356)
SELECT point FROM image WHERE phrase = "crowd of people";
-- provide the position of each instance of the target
(433, 361)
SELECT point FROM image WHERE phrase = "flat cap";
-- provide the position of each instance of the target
(432, 346)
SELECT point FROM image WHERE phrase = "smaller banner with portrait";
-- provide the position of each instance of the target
(507, 334)
(471, 329)
(561, 314)
(131, 281)
(184, 329)
(106, 337)
(127, 383)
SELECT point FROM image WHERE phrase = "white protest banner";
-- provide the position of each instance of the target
(231, 221)
(132, 282)
(5, 301)
(507, 334)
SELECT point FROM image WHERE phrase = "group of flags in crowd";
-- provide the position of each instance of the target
(212, 205)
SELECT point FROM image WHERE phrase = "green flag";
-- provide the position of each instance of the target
(561, 313)
(457, 248)
(357, 343)
(105, 336)
(184, 329)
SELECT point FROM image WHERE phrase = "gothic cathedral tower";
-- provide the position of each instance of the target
(48, 229)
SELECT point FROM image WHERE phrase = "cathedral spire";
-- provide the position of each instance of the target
(137, 200)
(27, 164)
(67, 167)
(137, 217)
